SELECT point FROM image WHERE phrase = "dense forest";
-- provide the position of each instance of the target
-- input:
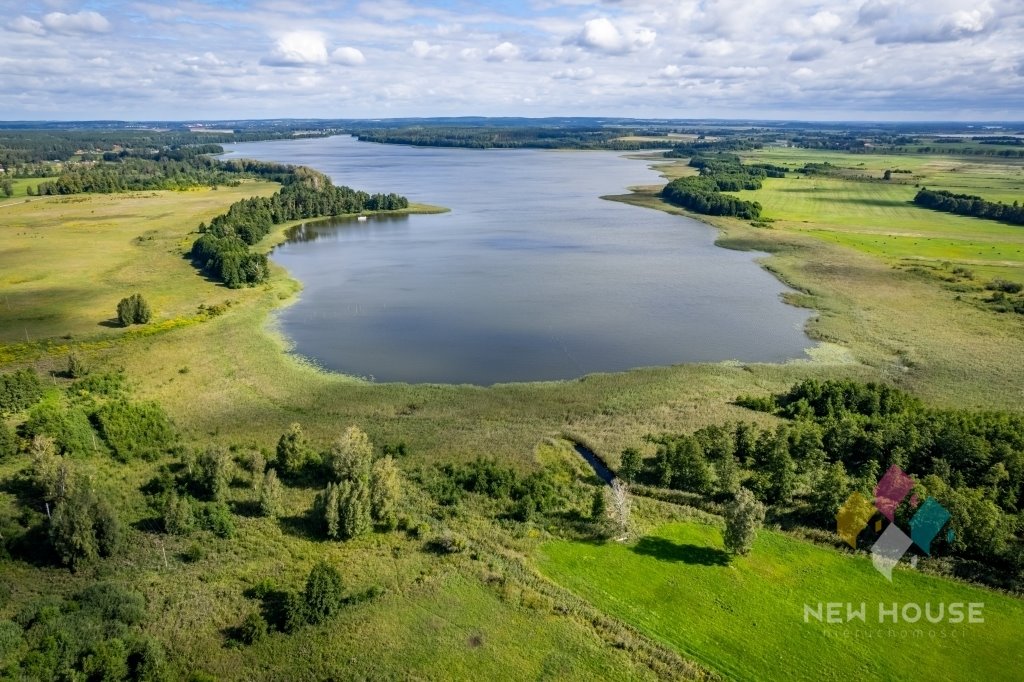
(223, 249)
(970, 205)
(720, 173)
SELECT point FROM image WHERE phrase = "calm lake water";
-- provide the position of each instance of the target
(530, 277)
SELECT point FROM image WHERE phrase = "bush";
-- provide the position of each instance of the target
(67, 425)
(194, 553)
(8, 441)
(147, 661)
(76, 367)
(133, 310)
(270, 495)
(134, 429)
(107, 384)
(179, 518)
(324, 594)
(253, 628)
(10, 638)
(216, 518)
(113, 602)
(449, 543)
(83, 528)
(19, 390)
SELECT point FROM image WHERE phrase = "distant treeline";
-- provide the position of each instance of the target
(732, 144)
(132, 174)
(509, 138)
(970, 205)
(21, 148)
(720, 173)
(223, 249)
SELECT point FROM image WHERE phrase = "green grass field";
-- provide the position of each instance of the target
(745, 619)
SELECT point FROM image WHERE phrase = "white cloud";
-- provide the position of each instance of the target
(820, 23)
(421, 49)
(582, 74)
(298, 48)
(670, 71)
(602, 35)
(503, 52)
(81, 22)
(550, 54)
(24, 24)
(803, 73)
(712, 48)
(951, 27)
(469, 54)
(349, 56)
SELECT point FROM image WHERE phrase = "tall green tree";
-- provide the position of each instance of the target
(631, 464)
(293, 450)
(385, 490)
(831, 491)
(743, 518)
(354, 511)
(270, 495)
(351, 456)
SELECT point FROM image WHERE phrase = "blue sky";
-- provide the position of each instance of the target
(821, 59)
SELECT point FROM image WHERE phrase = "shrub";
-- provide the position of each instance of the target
(10, 638)
(76, 367)
(253, 628)
(106, 384)
(67, 425)
(212, 474)
(194, 553)
(113, 602)
(216, 518)
(19, 390)
(178, 516)
(134, 429)
(83, 528)
(108, 661)
(147, 661)
(270, 495)
(385, 488)
(293, 451)
(133, 310)
(8, 441)
(324, 594)
(449, 543)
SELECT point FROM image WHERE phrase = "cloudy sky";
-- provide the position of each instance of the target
(822, 59)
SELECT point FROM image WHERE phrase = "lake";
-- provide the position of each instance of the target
(531, 276)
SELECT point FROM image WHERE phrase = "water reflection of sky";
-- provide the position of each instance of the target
(530, 276)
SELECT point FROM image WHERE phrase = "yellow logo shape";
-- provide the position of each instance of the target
(853, 517)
